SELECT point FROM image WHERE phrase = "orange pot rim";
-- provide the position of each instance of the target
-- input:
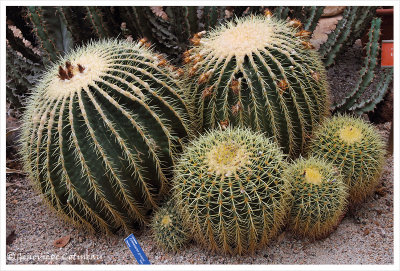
(384, 11)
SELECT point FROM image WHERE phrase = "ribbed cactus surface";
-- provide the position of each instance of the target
(319, 197)
(100, 132)
(230, 189)
(356, 149)
(168, 229)
(258, 72)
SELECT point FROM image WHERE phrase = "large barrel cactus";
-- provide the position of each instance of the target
(100, 133)
(230, 189)
(262, 73)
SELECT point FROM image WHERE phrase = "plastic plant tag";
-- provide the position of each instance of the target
(387, 53)
(136, 250)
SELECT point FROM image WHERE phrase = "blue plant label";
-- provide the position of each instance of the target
(136, 250)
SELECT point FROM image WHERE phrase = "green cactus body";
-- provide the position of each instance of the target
(100, 132)
(367, 73)
(229, 187)
(259, 72)
(168, 229)
(21, 74)
(319, 197)
(51, 32)
(348, 29)
(356, 148)
(56, 29)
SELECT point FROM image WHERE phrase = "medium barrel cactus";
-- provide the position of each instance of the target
(319, 197)
(100, 132)
(168, 229)
(356, 148)
(230, 189)
(262, 73)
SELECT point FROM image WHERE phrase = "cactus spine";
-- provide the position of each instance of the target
(259, 72)
(21, 75)
(348, 29)
(356, 149)
(100, 132)
(309, 15)
(169, 28)
(319, 197)
(314, 13)
(370, 103)
(367, 73)
(230, 189)
(52, 34)
(168, 229)
(16, 43)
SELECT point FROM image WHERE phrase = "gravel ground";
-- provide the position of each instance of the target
(365, 236)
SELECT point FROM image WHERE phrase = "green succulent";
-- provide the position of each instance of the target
(100, 133)
(229, 187)
(319, 197)
(168, 229)
(356, 149)
(259, 72)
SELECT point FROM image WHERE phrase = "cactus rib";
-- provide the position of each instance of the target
(274, 84)
(96, 143)
(229, 188)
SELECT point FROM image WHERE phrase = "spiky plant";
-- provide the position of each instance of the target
(230, 189)
(21, 74)
(169, 28)
(168, 229)
(351, 27)
(356, 148)
(319, 197)
(352, 102)
(53, 31)
(262, 73)
(100, 132)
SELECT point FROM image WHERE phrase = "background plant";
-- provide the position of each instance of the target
(351, 102)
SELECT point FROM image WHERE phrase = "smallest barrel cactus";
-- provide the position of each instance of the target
(319, 197)
(356, 148)
(168, 230)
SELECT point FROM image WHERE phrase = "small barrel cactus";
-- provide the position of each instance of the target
(229, 188)
(100, 132)
(319, 197)
(356, 149)
(262, 73)
(168, 229)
